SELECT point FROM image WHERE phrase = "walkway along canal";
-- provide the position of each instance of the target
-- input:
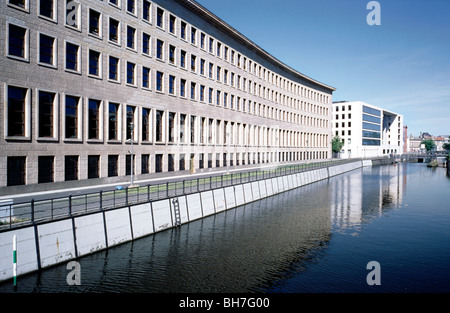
(53, 241)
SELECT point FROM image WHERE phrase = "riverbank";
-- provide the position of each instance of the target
(54, 242)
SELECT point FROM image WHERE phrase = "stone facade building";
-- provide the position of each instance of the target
(93, 89)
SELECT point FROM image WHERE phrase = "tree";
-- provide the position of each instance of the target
(337, 144)
(429, 144)
(446, 146)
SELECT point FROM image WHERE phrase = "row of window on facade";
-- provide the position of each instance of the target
(95, 28)
(17, 165)
(168, 127)
(47, 52)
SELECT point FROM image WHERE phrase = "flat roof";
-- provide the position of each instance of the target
(232, 32)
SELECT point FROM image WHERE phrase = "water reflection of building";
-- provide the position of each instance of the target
(362, 195)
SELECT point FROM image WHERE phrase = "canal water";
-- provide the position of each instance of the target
(318, 238)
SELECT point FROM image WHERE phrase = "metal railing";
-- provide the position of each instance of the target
(13, 215)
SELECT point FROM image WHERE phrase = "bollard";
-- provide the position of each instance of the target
(15, 260)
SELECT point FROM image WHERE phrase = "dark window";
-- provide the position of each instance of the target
(16, 171)
(171, 127)
(171, 54)
(94, 63)
(145, 77)
(145, 163)
(94, 22)
(17, 41)
(16, 111)
(171, 84)
(46, 100)
(172, 20)
(192, 129)
(71, 56)
(159, 125)
(128, 165)
(112, 165)
(113, 121)
(45, 169)
(71, 167)
(113, 68)
(130, 37)
(114, 30)
(183, 30)
(94, 119)
(72, 117)
(182, 126)
(130, 73)
(183, 88)
(130, 6)
(46, 8)
(19, 3)
(170, 165)
(158, 163)
(145, 124)
(130, 122)
(93, 166)
(159, 81)
(182, 162)
(200, 160)
(145, 43)
(146, 10)
(183, 59)
(159, 17)
(159, 49)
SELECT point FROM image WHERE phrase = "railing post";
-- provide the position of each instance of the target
(32, 210)
(70, 205)
(101, 200)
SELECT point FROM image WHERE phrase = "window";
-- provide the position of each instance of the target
(113, 121)
(193, 88)
(16, 171)
(47, 8)
(94, 115)
(145, 77)
(47, 114)
(202, 93)
(22, 4)
(95, 23)
(171, 126)
(72, 117)
(47, 50)
(171, 54)
(146, 124)
(172, 84)
(17, 106)
(94, 63)
(145, 163)
(114, 69)
(45, 169)
(73, 15)
(211, 45)
(172, 22)
(160, 18)
(183, 88)
(210, 95)
(114, 31)
(18, 42)
(131, 6)
(159, 49)
(158, 163)
(170, 162)
(183, 59)
(146, 10)
(211, 69)
(193, 129)
(131, 124)
(202, 40)
(183, 30)
(202, 67)
(182, 162)
(93, 166)
(218, 73)
(193, 35)
(113, 161)
(71, 167)
(131, 73)
(159, 126)
(72, 57)
(159, 81)
(219, 46)
(182, 127)
(131, 37)
(146, 44)
(193, 61)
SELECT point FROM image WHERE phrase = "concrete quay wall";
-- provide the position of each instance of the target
(43, 245)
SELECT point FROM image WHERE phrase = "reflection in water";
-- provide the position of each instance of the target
(360, 196)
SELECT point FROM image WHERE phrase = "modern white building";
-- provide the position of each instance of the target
(367, 130)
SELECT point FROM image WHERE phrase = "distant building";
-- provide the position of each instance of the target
(367, 130)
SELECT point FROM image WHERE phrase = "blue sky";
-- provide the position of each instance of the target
(402, 65)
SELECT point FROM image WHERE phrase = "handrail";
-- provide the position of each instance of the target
(22, 214)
